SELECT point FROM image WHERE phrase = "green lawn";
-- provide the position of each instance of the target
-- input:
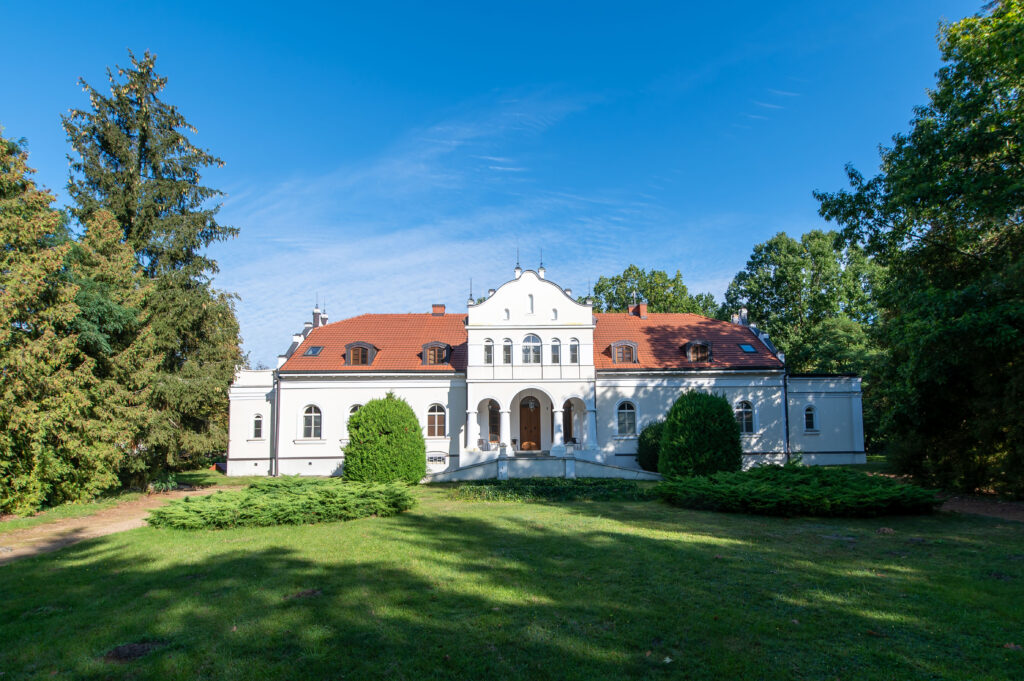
(473, 590)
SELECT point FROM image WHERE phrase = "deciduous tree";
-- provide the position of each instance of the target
(662, 293)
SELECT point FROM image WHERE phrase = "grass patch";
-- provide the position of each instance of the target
(284, 501)
(205, 477)
(551, 489)
(796, 490)
(575, 591)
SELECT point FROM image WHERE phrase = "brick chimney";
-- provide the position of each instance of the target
(316, 317)
(437, 309)
(639, 310)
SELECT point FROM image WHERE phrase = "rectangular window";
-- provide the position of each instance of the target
(627, 422)
(257, 428)
(494, 425)
(358, 356)
(624, 354)
(507, 353)
(574, 354)
(435, 355)
(556, 353)
(488, 354)
(747, 347)
(313, 351)
(809, 420)
(435, 459)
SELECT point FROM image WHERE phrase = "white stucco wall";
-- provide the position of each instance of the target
(839, 433)
(250, 394)
(335, 395)
(654, 394)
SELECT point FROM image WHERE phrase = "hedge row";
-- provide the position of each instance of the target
(795, 490)
(285, 501)
(551, 489)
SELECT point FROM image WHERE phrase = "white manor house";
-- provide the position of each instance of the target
(530, 382)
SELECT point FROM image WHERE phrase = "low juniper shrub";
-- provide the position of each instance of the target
(285, 501)
(551, 489)
(796, 490)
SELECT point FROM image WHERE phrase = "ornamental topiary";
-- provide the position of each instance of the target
(649, 445)
(385, 443)
(700, 437)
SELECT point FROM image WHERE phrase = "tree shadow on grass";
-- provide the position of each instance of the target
(518, 591)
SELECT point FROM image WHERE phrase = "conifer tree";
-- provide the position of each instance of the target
(135, 161)
(47, 453)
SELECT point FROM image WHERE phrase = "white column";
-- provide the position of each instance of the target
(591, 429)
(472, 430)
(506, 426)
(557, 439)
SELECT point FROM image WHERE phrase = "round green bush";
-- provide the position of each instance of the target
(385, 443)
(648, 445)
(700, 437)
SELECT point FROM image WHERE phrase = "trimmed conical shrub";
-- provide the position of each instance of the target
(700, 437)
(385, 443)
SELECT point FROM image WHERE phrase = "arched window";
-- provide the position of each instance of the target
(493, 422)
(574, 351)
(627, 419)
(488, 351)
(745, 417)
(435, 353)
(311, 421)
(507, 314)
(435, 421)
(554, 314)
(359, 353)
(556, 351)
(531, 350)
(354, 409)
(257, 427)
(624, 352)
(810, 419)
(506, 351)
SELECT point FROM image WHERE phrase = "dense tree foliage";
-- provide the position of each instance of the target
(946, 215)
(133, 160)
(662, 293)
(385, 443)
(48, 448)
(813, 297)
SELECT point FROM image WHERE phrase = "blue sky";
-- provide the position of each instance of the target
(380, 155)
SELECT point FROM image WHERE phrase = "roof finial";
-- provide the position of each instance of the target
(471, 288)
(542, 257)
(634, 296)
(517, 256)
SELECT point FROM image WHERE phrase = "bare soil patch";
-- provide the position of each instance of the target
(988, 506)
(32, 541)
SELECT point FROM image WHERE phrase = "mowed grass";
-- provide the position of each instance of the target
(477, 590)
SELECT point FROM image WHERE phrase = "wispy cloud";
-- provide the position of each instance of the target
(756, 117)
(767, 105)
(783, 93)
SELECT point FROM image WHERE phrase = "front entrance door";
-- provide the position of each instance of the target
(529, 424)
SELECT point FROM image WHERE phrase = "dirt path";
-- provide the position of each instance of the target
(994, 508)
(32, 541)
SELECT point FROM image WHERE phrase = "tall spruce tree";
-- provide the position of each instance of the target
(135, 161)
(49, 450)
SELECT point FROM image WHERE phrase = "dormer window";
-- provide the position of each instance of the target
(359, 354)
(698, 351)
(624, 352)
(436, 353)
(313, 351)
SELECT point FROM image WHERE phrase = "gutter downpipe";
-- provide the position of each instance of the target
(785, 404)
(277, 424)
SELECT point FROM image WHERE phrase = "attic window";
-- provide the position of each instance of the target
(359, 354)
(435, 353)
(747, 347)
(624, 352)
(698, 351)
(313, 351)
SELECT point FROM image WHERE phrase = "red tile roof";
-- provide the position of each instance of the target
(399, 339)
(661, 336)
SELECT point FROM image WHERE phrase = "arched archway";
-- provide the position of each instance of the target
(531, 415)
